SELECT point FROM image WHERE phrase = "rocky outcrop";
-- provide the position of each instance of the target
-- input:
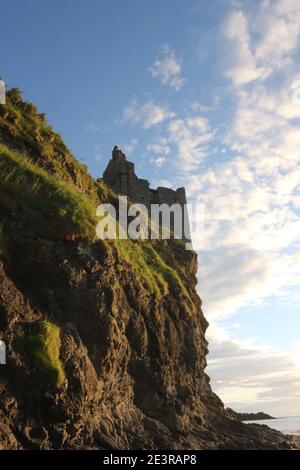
(103, 352)
(134, 375)
(248, 416)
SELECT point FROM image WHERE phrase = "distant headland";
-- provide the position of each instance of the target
(248, 416)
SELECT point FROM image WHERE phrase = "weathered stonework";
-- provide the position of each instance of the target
(120, 176)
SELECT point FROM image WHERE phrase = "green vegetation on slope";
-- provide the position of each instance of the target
(134, 253)
(168, 273)
(40, 176)
(71, 212)
(153, 273)
(23, 129)
(44, 345)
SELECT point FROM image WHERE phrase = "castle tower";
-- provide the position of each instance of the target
(120, 176)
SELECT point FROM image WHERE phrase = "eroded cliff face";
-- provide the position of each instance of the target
(103, 351)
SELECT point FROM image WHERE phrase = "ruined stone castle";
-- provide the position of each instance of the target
(120, 176)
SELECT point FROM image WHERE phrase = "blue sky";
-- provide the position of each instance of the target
(201, 94)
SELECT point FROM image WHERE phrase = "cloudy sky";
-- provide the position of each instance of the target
(205, 95)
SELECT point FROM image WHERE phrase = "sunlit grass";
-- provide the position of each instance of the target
(72, 212)
(44, 345)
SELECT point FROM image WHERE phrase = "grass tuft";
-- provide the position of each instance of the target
(44, 346)
(154, 275)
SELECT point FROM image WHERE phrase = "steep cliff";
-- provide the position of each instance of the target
(105, 340)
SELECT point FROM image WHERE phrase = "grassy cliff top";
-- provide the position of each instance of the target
(43, 182)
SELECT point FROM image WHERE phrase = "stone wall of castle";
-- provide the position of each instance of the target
(120, 176)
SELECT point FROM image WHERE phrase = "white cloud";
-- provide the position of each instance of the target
(159, 146)
(191, 137)
(279, 40)
(130, 147)
(253, 378)
(271, 105)
(244, 68)
(237, 276)
(229, 276)
(148, 114)
(250, 203)
(276, 29)
(158, 162)
(280, 28)
(167, 68)
(187, 138)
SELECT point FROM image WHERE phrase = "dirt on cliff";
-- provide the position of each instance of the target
(105, 342)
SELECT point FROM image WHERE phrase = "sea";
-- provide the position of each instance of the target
(287, 425)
